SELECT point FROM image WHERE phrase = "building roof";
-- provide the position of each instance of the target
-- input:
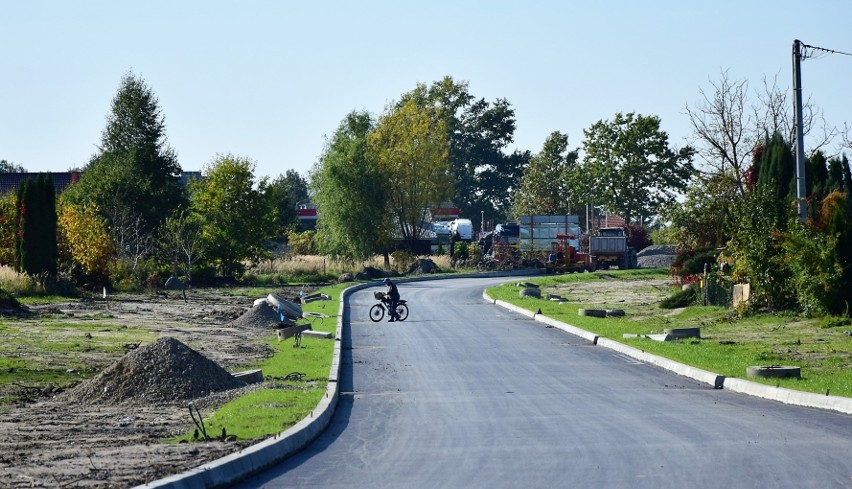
(61, 180)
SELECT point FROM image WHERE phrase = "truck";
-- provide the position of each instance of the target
(608, 247)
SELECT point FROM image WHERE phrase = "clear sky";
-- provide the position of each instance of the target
(268, 80)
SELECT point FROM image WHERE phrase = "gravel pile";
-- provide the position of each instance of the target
(656, 256)
(261, 315)
(163, 372)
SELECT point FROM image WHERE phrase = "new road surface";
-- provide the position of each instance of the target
(465, 394)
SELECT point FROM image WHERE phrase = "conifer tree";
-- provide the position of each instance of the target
(36, 238)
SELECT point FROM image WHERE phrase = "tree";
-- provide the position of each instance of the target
(36, 229)
(288, 191)
(83, 239)
(9, 167)
(8, 228)
(727, 127)
(754, 251)
(703, 219)
(478, 132)
(351, 192)
(181, 242)
(721, 127)
(775, 168)
(237, 217)
(135, 171)
(630, 168)
(544, 188)
(410, 146)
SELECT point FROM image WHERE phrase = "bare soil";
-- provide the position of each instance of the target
(55, 442)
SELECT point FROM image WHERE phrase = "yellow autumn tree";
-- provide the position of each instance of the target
(8, 228)
(83, 238)
(410, 146)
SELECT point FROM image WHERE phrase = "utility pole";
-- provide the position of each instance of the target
(800, 142)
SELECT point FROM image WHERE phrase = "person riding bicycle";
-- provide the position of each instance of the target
(393, 298)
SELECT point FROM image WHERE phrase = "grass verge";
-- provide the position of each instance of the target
(295, 381)
(728, 344)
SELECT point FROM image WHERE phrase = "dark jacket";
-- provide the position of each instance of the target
(392, 292)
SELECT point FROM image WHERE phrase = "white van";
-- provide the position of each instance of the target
(464, 227)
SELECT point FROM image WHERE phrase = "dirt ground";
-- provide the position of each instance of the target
(56, 444)
(639, 296)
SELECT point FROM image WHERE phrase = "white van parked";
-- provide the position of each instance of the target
(464, 227)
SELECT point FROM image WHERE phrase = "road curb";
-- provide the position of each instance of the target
(718, 381)
(238, 466)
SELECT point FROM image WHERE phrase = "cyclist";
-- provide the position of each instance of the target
(393, 298)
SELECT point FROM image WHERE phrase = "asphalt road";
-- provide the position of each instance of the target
(465, 394)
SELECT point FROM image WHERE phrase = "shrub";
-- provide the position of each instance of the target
(637, 237)
(301, 243)
(460, 253)
(8, 301)
(682, 298)
(816, 275)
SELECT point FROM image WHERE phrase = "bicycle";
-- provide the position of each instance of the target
(377, 312)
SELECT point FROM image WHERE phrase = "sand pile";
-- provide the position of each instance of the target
(261, 315)
(163, 372)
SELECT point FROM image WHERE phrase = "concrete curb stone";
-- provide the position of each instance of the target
(718, 381)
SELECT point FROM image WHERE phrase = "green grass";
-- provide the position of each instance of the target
(729, 344)
(55, 353)
(260, 414)
(271, 410)
(33, 300)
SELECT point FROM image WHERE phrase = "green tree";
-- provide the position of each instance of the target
(776, 172)
(478, 133)
(135, 171)
(835, 221)
(410, 146)
(755, 250)
(703, 219)
(544, 188)
(839, 177)
(237, 217)
(816, 180)
(36, 233)
(10, 167)
(181, 242)
(630, 168)
(351, 192)
(287, 191)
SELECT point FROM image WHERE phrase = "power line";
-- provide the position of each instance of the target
(825, 51)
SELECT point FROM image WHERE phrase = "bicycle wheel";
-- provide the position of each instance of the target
(377, 312)
(401, 311)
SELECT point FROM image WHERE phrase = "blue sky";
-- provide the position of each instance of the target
(268, 80)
